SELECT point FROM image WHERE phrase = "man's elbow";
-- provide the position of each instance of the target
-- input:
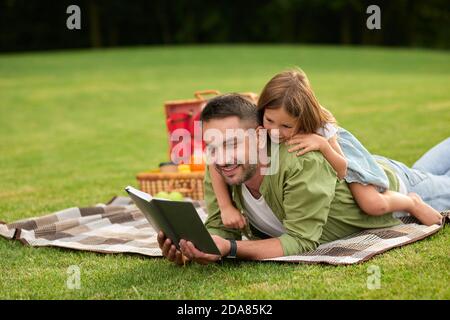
(294, 245)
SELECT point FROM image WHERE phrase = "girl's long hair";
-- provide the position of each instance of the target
(291, 90)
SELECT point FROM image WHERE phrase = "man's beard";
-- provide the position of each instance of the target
(248, 171)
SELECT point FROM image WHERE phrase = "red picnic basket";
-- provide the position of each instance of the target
(182, 118)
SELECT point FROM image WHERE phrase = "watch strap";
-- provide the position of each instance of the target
(233, 249)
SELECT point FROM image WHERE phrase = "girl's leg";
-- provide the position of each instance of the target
(374, 203)
(433, 189)
(424, 212)
(437, 160)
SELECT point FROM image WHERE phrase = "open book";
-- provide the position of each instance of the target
(177, 219)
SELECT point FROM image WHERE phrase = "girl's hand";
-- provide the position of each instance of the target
(304, 143)
(232, 218)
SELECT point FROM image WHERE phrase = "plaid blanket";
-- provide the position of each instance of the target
(119, 227)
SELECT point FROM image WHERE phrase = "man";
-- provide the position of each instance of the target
(300, 205)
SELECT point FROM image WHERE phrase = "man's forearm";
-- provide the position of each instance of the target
(259, 249)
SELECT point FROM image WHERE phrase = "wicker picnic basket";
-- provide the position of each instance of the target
(190, 184)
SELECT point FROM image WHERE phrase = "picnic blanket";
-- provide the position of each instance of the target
(119, 227)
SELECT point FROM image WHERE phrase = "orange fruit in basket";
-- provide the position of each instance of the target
(197, 163)
(197, 167)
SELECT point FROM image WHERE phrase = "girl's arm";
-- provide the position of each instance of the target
(334, 155)
(231, 217)
(220, 189)
(329, 148)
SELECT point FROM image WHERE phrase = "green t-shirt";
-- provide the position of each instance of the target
(305, 194)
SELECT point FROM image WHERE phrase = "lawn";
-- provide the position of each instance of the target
(76, 126)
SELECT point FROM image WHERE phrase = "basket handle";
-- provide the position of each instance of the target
(199, 94)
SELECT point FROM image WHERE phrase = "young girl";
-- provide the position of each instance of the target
(288, 104)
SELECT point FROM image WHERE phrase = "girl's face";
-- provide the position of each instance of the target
(282, 121)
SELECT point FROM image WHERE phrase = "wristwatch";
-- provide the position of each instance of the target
(233, 249)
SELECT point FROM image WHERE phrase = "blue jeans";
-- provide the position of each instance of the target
(429, 177)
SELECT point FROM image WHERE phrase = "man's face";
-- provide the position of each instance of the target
(228, 145)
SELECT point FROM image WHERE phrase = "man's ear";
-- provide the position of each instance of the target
(259, 127)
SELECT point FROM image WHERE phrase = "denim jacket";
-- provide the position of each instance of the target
(361, 165)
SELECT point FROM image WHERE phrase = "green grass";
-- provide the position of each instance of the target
(76, 126)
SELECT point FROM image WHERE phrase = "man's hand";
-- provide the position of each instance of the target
(306, 143)
(170, 251)
(189, 250)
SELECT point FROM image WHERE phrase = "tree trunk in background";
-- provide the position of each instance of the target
(163, 20)
(113, 36)
(94, 25)
(346, 32)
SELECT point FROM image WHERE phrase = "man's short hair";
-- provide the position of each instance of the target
(230, 105)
